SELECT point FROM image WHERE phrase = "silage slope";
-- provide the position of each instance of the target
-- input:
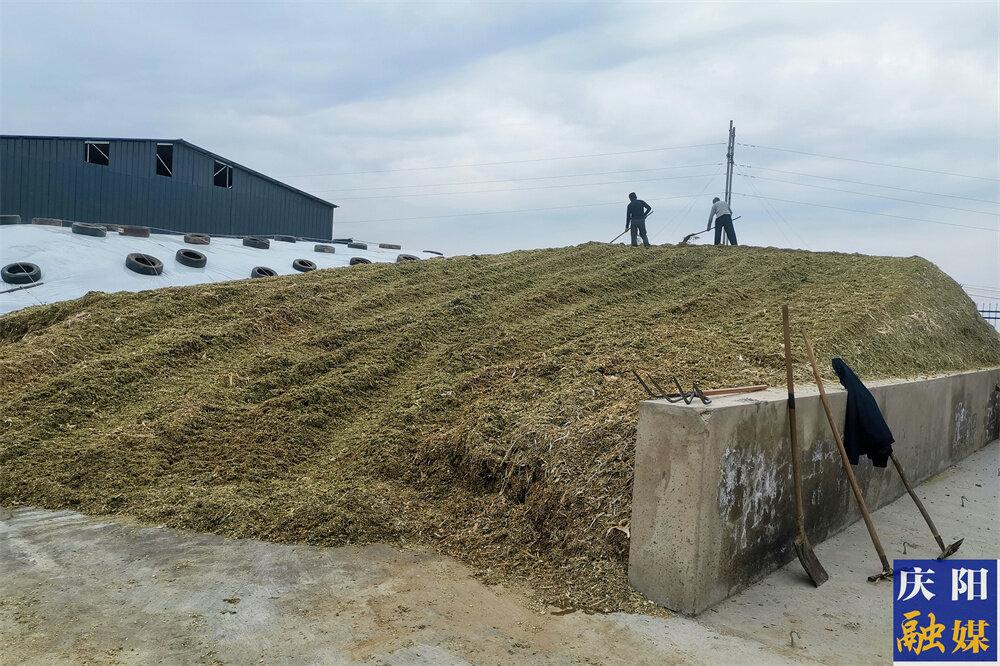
(480, 404)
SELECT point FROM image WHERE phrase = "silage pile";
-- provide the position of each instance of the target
(480, 405)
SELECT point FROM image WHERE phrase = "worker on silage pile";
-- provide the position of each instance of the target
(635, 218)
(723, 220)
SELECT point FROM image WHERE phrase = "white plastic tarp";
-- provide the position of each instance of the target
(74, 264)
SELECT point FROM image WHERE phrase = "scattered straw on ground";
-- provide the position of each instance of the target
(479, 405)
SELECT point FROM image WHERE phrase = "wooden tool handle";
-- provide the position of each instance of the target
(843, 457)
(916, 500)
(736, 389)
(792, 428)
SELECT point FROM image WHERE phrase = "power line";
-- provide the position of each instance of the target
(982, 286)
(525, 189)
(861, 182)
(884, 164)
(683, 212)
(877, 196)
(502, 212)
(480, 164)
(982, 294)
(513, 180)
(868, 212)
(768, 207)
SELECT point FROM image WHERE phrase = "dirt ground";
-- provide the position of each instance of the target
(80, 590)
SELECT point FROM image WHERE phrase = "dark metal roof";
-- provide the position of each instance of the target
(182, 142)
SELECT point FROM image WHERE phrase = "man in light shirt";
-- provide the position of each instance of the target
(723, 220)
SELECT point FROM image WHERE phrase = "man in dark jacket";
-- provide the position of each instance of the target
(635, 218)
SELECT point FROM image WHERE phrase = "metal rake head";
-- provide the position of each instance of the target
(951, 550)
(886, 574)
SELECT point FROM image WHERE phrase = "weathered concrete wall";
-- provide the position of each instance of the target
(713, 507)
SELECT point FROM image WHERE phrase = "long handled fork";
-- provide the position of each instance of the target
(886, 572)
(626, 231)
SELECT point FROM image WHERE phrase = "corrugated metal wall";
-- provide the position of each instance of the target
(50, 177)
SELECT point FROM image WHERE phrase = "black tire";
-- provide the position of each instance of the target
(390, 246)
(257, 242)
(285, 239)
(440, 254)
(406, 257)
(358, 246)
(197, 239)
(133, 230)
(263, 271)
(329, 249)
(191, 258)
(21, 272)
(303, 265)
(86, 229)
(143, 264)
(359, 260)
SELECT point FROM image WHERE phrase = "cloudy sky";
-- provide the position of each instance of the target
(562, 108)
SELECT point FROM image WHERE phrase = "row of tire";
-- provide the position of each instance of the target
(23, 272)
(100, 230)
(147, 264)
(258, 242)
(89, 229)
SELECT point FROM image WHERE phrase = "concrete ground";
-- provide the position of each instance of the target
(75, 589)
(848, 619)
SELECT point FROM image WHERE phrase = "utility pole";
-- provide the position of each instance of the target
(729, 170)
(729, 162)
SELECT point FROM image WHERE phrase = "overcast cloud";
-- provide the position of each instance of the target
(300, 89)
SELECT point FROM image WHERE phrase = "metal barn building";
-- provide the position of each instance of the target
(166, 184)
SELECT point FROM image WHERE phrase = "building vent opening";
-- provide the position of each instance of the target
(98, 152)
(165, 159)
(223, 175)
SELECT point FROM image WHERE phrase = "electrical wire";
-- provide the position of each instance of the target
(980, 294)
(861, 182)
(884, 164)
(672, 224)
(513, 180)
(527, 161)
(503, 212)
(676, 222)
(868, 212)
(769, 207)
(876, 196)
(524, 189)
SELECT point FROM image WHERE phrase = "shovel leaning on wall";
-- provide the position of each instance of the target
(803, 548)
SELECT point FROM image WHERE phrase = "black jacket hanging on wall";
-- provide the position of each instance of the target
(865, 430)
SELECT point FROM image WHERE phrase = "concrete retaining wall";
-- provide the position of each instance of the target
(713, 507)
